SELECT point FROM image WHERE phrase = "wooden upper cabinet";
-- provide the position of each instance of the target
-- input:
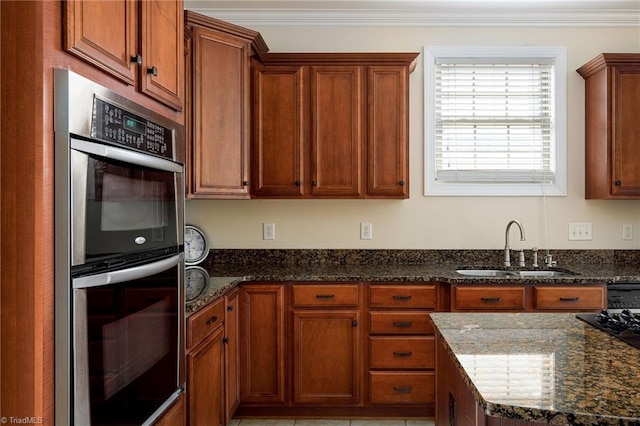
(104, 33)
(278, 131)
(612, 146)
(387, 132)
(336, 131)
(331, 125)
(138, 42)
(218, 108)
(162, 47)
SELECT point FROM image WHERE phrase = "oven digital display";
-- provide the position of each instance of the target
(135, 125)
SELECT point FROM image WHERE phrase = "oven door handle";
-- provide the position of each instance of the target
(129, 274)
(132, 157)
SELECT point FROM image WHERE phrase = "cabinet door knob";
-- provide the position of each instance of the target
(245, 183)
(137, 59)
(354, 323)
(314, 183)
(298, 183)
(402, 183)
(618, 182)
(225, 340)
(153, 71)
(230, 308)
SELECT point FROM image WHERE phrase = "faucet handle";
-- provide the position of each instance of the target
(534, 262)
(521, 262)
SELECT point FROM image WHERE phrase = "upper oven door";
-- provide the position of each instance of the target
(122, 202)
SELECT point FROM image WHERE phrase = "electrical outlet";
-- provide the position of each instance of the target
(627, 231)
(366, 231)
(268, 231)
(580, 231)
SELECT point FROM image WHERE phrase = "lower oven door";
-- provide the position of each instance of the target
(127, 346)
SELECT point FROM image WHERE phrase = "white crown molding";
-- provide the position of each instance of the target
(589, 13)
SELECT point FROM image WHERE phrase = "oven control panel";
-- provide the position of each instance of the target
(624, 296)
(116, 125)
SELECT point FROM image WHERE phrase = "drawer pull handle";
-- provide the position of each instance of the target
(402, 354)
(325, 296)
(403, 389)
(490, 299)
(400, 298)
(212, 320)
(402, 324)
(569, 299)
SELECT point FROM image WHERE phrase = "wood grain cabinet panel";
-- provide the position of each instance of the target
(573, 298)
(262, 348)
(138, 42)
(394, 322)
(204, 322)
(402, 296)
(335, 125)
(326, 357)
(401, 352)
(612, 130)
(485, 298)
(176, 415)
(205, 381)
(218, 111)
(325, 295)
(401, 387)
(232, 353)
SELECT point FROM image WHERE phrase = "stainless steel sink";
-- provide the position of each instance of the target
(515, 274)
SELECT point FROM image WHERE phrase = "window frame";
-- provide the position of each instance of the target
(559, 187)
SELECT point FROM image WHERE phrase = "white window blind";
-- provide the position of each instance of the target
(495, 122)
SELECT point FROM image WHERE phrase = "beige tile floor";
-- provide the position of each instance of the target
(328, 422)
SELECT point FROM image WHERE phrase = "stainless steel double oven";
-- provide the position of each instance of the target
(119, 258)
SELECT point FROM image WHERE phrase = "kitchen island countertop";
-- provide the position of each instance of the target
(547, 368)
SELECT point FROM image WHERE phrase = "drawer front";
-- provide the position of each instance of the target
(568, 298)
(400, 323)
(388, 387)
(487, 298)
(401, 352)
(402, 296)
(203, 323)
(309, 295)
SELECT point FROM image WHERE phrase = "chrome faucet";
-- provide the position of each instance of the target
(507, 249)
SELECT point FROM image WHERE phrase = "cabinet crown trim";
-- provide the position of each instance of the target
(359, 58)
(608, 59)
(257, 42)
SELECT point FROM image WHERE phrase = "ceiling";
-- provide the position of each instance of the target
(423, 12)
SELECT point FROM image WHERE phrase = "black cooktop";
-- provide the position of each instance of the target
(624, 325)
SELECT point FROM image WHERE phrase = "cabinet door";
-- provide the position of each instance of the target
(336, 131)
(231, 354)
(205, 381)
(103, 33)
(162, 48)
(262, 368)
(626, 130)
(278, 137)
(176, 416)
(220, 85)
(387, 132)
(326, 357)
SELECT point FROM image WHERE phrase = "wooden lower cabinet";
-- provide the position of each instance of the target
(205, 381)
(262, 348)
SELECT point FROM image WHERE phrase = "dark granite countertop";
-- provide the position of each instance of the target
(225, 276)
(549, 368)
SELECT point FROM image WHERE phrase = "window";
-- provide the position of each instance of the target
(495, 121)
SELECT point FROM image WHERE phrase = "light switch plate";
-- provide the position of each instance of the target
(580, 231)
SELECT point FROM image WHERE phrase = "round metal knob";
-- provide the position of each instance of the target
(401, 183)
(245, 183)
(314, 183)
(137, 59)
(298, 183)
(618, 182)
(153, 70)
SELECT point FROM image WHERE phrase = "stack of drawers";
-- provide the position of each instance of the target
(401, 344)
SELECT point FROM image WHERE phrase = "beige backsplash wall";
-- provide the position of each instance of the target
(435, 222)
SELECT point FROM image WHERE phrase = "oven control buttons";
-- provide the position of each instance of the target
(196, 245)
